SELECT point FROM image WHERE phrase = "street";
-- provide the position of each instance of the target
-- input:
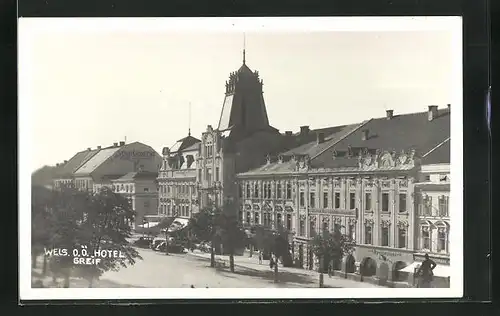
(158, 270)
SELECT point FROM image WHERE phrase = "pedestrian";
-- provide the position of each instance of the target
(192, 286)
(271, 263)
(260, 257)
(425, 272)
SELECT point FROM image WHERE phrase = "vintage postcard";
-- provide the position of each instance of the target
(240, 158)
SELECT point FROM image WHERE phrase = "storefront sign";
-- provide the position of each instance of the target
(386, 253)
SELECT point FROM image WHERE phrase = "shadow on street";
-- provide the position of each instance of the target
(283, 276)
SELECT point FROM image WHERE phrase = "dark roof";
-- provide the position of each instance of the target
(76, 162)
(332, 136)
(184, 143)
(400, 133)
(194, 146)
(440, 154)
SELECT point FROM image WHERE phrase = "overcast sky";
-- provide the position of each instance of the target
(96, 88)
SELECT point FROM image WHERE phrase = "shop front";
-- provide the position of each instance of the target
(380, 265)
(441, 273)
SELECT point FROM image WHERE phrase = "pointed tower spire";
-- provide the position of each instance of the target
(244, 46)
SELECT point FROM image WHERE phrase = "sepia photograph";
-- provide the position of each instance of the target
(240, 158)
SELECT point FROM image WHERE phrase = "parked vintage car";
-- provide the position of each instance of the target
(143, 242)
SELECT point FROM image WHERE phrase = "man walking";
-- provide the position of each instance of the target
(260, 257)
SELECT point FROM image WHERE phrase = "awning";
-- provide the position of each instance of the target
(177, 224)
(148, 225)
(440, 270)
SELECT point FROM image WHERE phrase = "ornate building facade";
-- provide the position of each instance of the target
(360, 180)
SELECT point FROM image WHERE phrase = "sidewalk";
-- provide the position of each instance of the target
(313, 276)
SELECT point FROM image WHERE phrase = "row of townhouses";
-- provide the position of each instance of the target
(384, 181)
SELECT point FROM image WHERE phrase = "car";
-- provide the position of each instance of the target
(143, 242)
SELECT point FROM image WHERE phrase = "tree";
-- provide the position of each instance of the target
(166, 224)
(40, 223)
(218, 226)
(330, 246)
(105, 227)
(202, 227)
(80, 219)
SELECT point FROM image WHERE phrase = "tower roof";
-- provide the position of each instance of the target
(244, 110)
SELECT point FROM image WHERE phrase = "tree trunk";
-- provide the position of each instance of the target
(91, 280)
(276, 271)
(251, 250)
(166, 245)
(66, 279)
(231, 260)
(33, 261)
(212, 257)
(44, 266)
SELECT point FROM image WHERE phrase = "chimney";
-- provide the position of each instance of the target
(389, 114)
(432, 113)
(304, 130)
(320, 138)
(448, 106)
(57, 164)
(122, 143)
(364, 135)
(115, 144)
(98, 147)
(88, 149)
(65, 161)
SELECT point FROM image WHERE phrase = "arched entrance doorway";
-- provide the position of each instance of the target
(350, 264)
(383, 271)
(368, 267)
(399, 276)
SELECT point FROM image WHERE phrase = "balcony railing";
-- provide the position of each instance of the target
(429, 211)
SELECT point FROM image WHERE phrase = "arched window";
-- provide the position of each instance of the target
(442, 237)
(425, 236)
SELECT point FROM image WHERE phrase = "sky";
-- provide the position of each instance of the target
(96, 87)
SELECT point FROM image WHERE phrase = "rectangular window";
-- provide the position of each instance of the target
(385, 236)
(352, 201)
(337, 227)
(269, 195)
(289, 221)
(401, 237)
(168, 210)
(256, 191)
(442, 240)
(209, 177)
(249, 218)
(443, 206)
(385, 202)
(279, 220)
(427, 177)
(264, 189)
(428, 206)
(312, 228)
(240, 191)
(145, 189)
(302, 228)
(288, 191)
(217, 174)
(352, 232)
(312, 199)
(368, 235)
(368, 201)
(302, 199)
(248, 191)
(264, 219)
(325, 199)
(278, 191)
(426, 238)
(402, 202)
(337, 200)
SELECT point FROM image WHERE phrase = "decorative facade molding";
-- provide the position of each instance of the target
(369, 222)
(325, 219)
(352, 221)
(403, 224)
(385, 223)
(337, 220)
